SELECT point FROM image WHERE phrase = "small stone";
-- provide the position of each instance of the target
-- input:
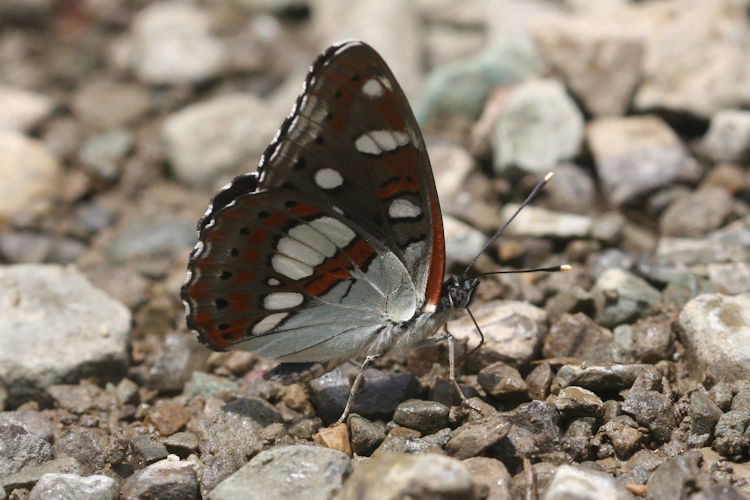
(33, 421)
(427, 417)
(715, 330)
(635, 155)
(181, 443)
(492, 474)
(61, 486)
(416, 476)
(378, 398)
(622, 297)
(103, 154)
(93, 448)
(366, 435)
(152, 237)
(541, 421)
(577, 336)
(540, 222)
(538, 127)
(624, 435)
(600, 61)
(21, 109)
(20, 449)
(652, 410)
(167, 479)
(500, 380)
(175, 368)
(75, 398)
(538, 381)
(104, 104)
(572, 190)
(728, 137)
(127, 391)
(476, 436)
(728, 176)
(653, 338)
(512, 331)
(731, 439)
(31, 176)
(609, 227)
(319, 473)
(305, 427)
(578, 402)
(240, 362)
(578, 439)
(722, 395)
(30, 475)
(335, 437)
(598, 378)
(731, 278)
(464, 240)
(172, 44)
(678, 477)
(570, 301)
(200, 155)
(407, 442)
(168, 419)
(703, 413)
(697, 213)
(148, 449)
(583, 482)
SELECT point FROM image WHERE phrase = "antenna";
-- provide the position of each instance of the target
(529, 198)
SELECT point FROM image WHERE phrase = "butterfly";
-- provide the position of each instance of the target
(334, 247)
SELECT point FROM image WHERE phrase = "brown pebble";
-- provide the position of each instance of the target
(336, 437)
(168, 419)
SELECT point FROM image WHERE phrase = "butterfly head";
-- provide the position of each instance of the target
(459, 290)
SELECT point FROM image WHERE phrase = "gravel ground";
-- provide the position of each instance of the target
(627, 377)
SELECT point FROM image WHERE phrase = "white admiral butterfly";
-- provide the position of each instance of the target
(334, 248)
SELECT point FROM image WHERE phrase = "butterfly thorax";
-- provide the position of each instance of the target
(456, 294)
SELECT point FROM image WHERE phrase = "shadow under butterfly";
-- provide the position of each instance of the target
(334, 248)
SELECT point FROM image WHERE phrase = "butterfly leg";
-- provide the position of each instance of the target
(355, 386)
(447, 337)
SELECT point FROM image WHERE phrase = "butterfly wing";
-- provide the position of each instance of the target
(309, 258)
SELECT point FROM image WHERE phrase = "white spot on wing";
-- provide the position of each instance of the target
(273, 282)
(365, 144)
(299, 251)
(377, 141)
(386, 83)
(282, 300)
(312, 238)
(401, 208)
(290, 268)
(337, 232)
(385, 139)
(372, 88)
(328, 178)
(269, 322)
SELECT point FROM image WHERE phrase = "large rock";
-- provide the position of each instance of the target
(30, 176)
(219, 137)
(715, 330)
(600, 62)
(21, 109)
(172, 43)
(636, 155)
(410, 476)
(285, 472)
(696, 55)
(538, 127)
(56, 327)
